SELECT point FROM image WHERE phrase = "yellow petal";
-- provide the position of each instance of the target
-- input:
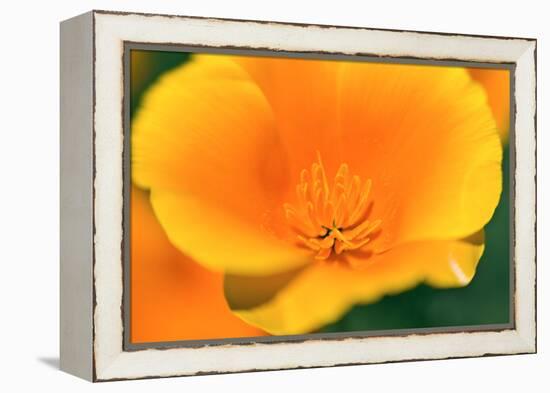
(462, 259)
(496, 83)
(172, 297)
(427, 139)
(205, 144)
(221, 241)
(322, 292)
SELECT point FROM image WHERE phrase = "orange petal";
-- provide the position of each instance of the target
(427, 139)
(205, 144)
(172, 297)
(303, 96)
(141, 68)
(496, 83)
(323, 292)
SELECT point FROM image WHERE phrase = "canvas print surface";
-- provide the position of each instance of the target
(278, 196)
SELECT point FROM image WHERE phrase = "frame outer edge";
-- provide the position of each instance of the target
(116, 364)
(76, 192)
(525, 199)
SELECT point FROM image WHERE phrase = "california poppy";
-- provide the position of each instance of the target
(316, 185)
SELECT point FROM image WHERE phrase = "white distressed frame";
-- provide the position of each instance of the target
(111, 30)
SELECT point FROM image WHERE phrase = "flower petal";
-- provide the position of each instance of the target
(220, 240)
(427, 139)
(172, 297)
(204, 143)
(323, 292)
(303, 96)
(496, 83)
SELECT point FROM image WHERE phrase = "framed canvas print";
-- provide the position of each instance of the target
(245, 195)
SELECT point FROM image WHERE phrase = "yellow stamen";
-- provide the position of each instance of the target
(333, 218)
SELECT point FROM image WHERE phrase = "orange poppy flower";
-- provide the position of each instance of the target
(172, 297)
(316, 185)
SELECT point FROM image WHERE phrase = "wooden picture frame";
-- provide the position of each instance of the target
(94, 193)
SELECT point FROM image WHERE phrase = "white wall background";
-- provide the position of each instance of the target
(29, 195)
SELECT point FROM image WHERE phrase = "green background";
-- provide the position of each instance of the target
(485, 301)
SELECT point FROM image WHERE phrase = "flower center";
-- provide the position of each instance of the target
(331, 219)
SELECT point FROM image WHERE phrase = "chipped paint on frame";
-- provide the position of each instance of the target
(111, 369)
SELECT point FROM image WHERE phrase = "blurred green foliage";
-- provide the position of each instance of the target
(146, 67)
(486, 300)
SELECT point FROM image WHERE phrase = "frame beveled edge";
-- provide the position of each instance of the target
(524, 336)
